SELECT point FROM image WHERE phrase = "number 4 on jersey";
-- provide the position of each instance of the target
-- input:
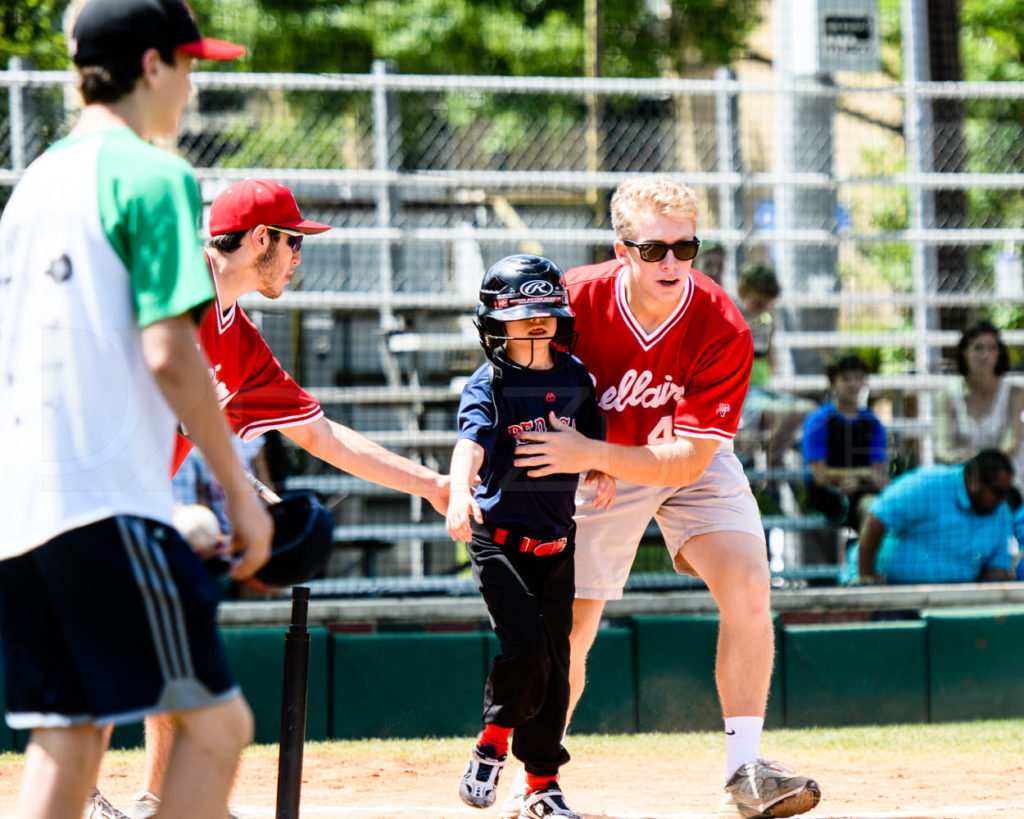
(662, 432)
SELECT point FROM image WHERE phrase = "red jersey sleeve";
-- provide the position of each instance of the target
(268, 398)
(714, 397)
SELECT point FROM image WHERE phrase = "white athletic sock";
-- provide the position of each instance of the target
(742, 742)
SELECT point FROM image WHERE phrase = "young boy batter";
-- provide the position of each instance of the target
(519, 530)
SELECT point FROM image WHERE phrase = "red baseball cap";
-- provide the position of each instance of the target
(254, 202)
(108, 31)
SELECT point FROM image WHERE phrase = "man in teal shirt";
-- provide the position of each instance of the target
(943, 524)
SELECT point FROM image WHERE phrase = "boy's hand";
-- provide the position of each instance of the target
(605, 488)
(461, 507)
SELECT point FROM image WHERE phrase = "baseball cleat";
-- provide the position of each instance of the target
(547, 801)
(764, 790)
(514, 801)
(479, 785)
(100, 808)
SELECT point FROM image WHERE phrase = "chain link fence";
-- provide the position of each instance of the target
(891, 213)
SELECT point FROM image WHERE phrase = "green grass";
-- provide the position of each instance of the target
(967, 739)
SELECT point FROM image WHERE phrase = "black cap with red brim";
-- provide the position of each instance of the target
(115, 31)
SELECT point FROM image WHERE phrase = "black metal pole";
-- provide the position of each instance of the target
(293, 708)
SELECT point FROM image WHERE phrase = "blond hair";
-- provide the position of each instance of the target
(654, 193)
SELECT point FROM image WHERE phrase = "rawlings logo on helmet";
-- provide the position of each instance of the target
(537, 287)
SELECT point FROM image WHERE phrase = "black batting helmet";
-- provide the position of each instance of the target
(302, 544)
(520, 287)
(303, 540)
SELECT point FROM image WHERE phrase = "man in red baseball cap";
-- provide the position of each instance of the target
(256, 239)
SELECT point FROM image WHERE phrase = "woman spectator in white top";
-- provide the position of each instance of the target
(982, 410)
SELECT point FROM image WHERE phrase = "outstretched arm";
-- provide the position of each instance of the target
(467, 458)
(182, 373)
(348, 450)
(564, 450)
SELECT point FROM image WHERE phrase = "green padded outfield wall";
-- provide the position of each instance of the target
(855, 674)
(256, 657)
(675, 669)
(407, 685)
(976, 658)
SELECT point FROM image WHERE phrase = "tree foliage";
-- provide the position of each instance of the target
(502, 37)
(31, 29)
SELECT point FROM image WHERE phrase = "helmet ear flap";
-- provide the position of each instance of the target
(490, 331)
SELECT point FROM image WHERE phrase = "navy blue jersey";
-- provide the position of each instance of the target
(495, 410)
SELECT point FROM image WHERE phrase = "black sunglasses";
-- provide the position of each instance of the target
(656, 251)
(294, 240)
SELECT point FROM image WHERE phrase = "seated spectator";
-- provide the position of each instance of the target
(711, 261)
(942, 524)
(844, 447)
(982, 410)
(770, 418)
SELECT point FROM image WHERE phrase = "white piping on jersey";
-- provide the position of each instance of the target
(701, 432)
(254, 430)
(648, 340)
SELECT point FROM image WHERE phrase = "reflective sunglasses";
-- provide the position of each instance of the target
(294, 237)
(684, 251)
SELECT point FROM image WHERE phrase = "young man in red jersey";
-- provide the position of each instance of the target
(671, 357)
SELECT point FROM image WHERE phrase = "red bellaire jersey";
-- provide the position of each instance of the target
(254, 391)
(687, 377)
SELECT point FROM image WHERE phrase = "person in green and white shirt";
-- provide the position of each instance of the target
(106, 614)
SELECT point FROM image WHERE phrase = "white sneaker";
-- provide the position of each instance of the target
(146, 806)
(766, 789)
(548, 801)
(479, 785)
(99, 808)
(517, 793)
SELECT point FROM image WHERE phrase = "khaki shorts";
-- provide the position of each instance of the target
(606, 540)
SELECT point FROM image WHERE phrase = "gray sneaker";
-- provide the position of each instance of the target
(514, 801)
(146, 806)
(765, 790)
(548, 801)
(479, 785)
(99, 808)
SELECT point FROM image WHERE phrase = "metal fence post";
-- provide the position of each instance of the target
(17, 126)
(918, 132)
(728, 161)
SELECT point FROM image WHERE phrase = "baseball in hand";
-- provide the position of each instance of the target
(199, 526)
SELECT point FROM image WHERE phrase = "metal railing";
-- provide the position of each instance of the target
(428, 179)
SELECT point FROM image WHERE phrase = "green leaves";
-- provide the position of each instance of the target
(32, 30)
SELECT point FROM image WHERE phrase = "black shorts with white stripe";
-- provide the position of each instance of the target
(108, 623)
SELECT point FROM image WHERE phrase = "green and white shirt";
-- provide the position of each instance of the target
(98, 240)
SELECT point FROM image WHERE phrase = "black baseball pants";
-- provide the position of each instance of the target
(529, 598)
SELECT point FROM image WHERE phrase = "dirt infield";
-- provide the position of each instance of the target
(971, 771)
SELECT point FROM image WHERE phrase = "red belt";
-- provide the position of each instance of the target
(531, 544)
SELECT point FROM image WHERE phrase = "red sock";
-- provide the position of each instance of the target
(497, 736)
(536, 783)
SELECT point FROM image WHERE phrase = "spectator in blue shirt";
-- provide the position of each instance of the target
(844, 447)
(943, 524)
